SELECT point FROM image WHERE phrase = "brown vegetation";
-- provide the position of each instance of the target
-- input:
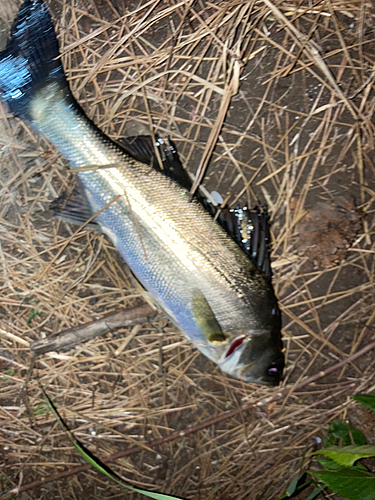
(268, 102)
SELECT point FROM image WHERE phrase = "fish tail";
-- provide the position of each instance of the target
(30, 60)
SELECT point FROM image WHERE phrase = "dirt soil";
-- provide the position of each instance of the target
(298, 136)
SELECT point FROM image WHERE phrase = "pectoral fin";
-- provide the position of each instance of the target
(206, 319)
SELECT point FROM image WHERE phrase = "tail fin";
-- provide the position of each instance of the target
(30, 58)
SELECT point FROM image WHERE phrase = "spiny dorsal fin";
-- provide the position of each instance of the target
(142, 148)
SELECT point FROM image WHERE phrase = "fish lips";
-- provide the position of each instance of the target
(256, 357)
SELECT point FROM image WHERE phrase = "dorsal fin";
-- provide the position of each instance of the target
(260, 240)
(250, 229)
(142, 148)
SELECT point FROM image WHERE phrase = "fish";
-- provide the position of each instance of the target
(209, 285)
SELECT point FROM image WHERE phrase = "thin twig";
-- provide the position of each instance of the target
(83, 333)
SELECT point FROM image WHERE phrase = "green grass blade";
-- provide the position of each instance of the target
(317, 491)
(293, 485)
(98, 464)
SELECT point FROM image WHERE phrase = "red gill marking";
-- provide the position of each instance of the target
(234, 346)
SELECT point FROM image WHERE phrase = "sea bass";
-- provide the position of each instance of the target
(190, 266)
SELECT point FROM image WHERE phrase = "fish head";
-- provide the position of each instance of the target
(255, 357)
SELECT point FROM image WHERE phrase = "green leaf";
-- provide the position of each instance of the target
(337, 430)
(293, 485)
(349, 483)
(347, 455)
(367, 400)
(340, 431)
(358, 437)
(328, 463)
(329, 441)
(332, 465)
(359, 466)
(95, 462)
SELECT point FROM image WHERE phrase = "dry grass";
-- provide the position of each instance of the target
(282, 96)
